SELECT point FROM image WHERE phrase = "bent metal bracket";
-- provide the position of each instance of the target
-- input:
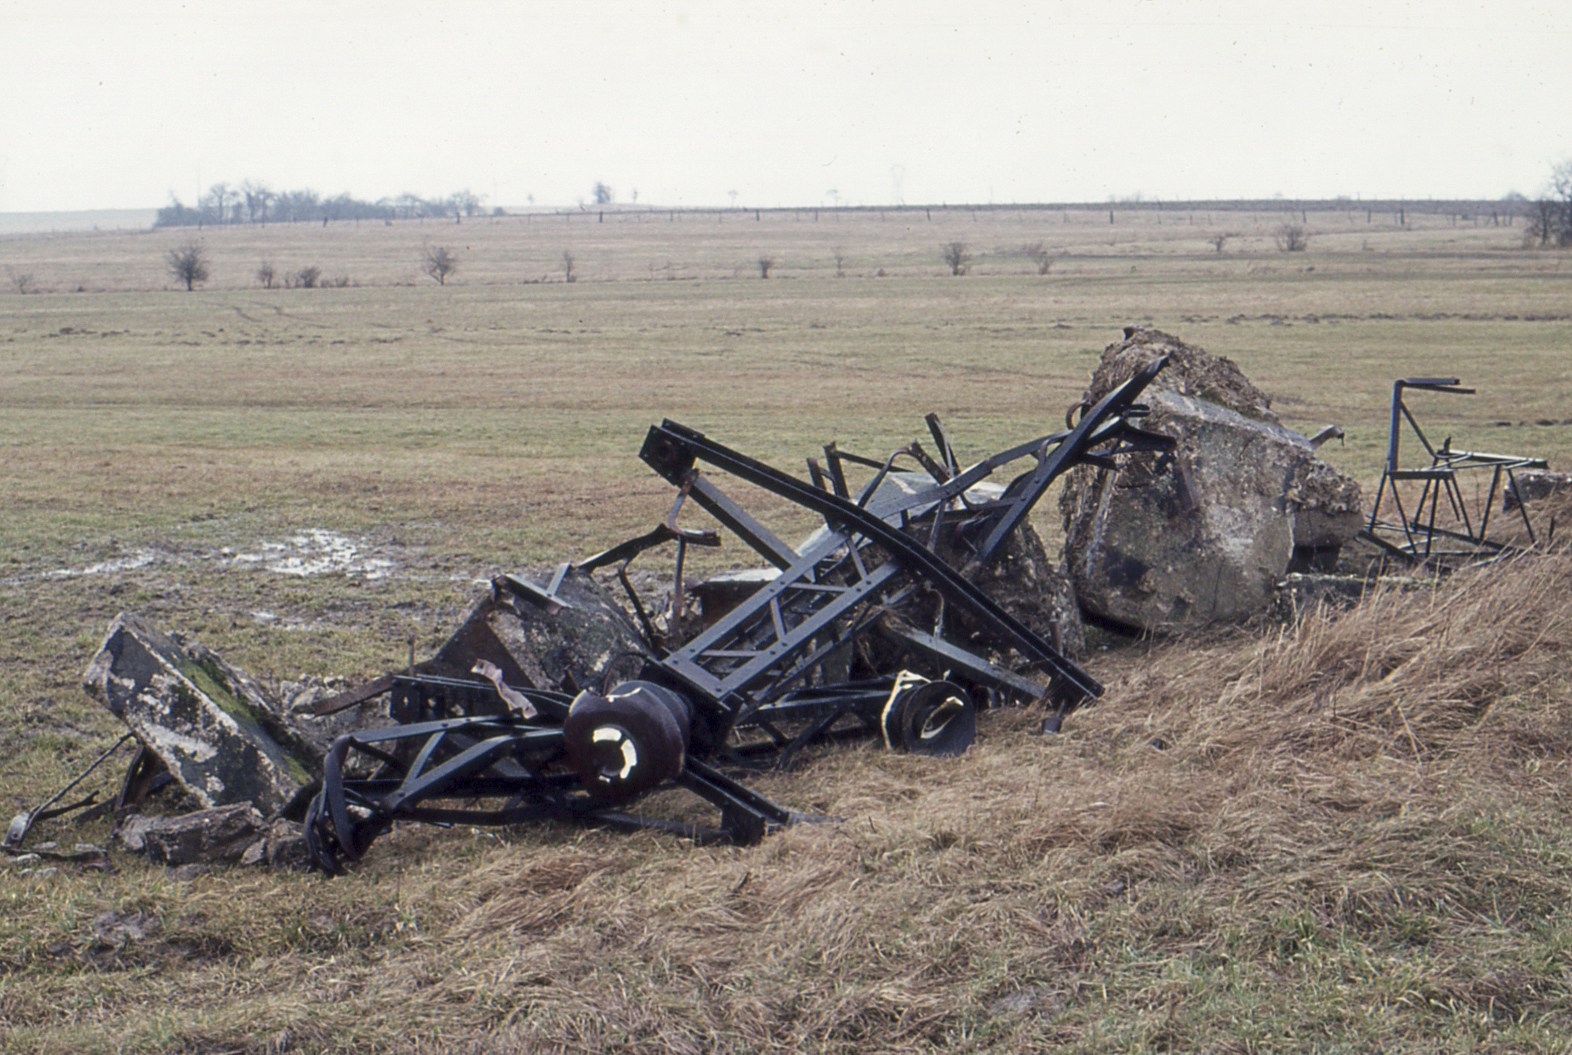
(872, 627)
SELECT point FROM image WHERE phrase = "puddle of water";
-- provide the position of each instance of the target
(139, 559)
(315, 552)
(311, 552)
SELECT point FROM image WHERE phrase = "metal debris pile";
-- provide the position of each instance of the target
(923, 597)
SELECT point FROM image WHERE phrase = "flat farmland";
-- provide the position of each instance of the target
(169, 451)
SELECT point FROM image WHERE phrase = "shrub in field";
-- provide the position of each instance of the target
(957, 257)
(188, 263)
(1291, 238)
(439, 262)
(22, 280)
(266, 275)
(1039, 254)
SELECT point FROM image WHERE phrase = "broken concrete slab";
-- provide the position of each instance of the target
(302, 704)
(1529, 485)
(545, 631)
(1207, 539)
(212, 725)
(1328, 514)
(1191, 371)
(233, 834)
(1030, 587)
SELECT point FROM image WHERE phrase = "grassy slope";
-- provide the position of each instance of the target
(1354, 838)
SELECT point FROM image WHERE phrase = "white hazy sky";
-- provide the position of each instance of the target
(118, 103)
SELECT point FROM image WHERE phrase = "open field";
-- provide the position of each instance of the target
(1355, 840)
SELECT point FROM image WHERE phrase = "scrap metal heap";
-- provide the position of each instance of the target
(873, 626)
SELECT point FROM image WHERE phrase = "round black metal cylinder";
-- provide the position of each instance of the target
(628, 741)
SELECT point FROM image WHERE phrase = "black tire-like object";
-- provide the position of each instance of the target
(933, 718)
(629, 741)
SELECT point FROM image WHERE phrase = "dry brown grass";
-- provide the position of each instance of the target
(1349, 832)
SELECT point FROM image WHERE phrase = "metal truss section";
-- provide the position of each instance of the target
(1436, 524)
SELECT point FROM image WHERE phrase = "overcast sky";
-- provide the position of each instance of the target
(116, 104)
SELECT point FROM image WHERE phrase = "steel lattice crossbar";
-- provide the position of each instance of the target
(867, 560)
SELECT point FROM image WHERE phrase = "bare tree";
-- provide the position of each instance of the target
(603, 194)
(257, 198)
(1038, 253)
(765, 263)
(307, 277)
(567, 267)
(188, 263)
(1551, 218)
(1220, 240)
(1292, 238)
(215, 204)
(465, 203)
(1544, 223)
(439, 262)
(266, 275)
(22, 280)
(957, 256)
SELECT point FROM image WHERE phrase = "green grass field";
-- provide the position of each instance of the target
(1392, 882)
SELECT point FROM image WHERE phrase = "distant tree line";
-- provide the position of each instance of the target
(251, 202)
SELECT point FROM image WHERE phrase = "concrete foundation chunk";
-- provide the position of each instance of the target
(567, 644)
(1532, 484)
(1208, 538)
(1026, 584)
(209, 723)
(234, 834)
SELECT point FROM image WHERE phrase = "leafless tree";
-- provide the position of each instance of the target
(567, 267)
(957, 256)
(257, 198)
(266, 275)
(1292, 238)
(188, 263)
(439, 262)
(22, 280)
(603, 194)
(215, 204)
(466, 203)
(1543, 223)
(1038, 253)
(307, 277)
(1550, 218)
(765, 263)
(1220, 240)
